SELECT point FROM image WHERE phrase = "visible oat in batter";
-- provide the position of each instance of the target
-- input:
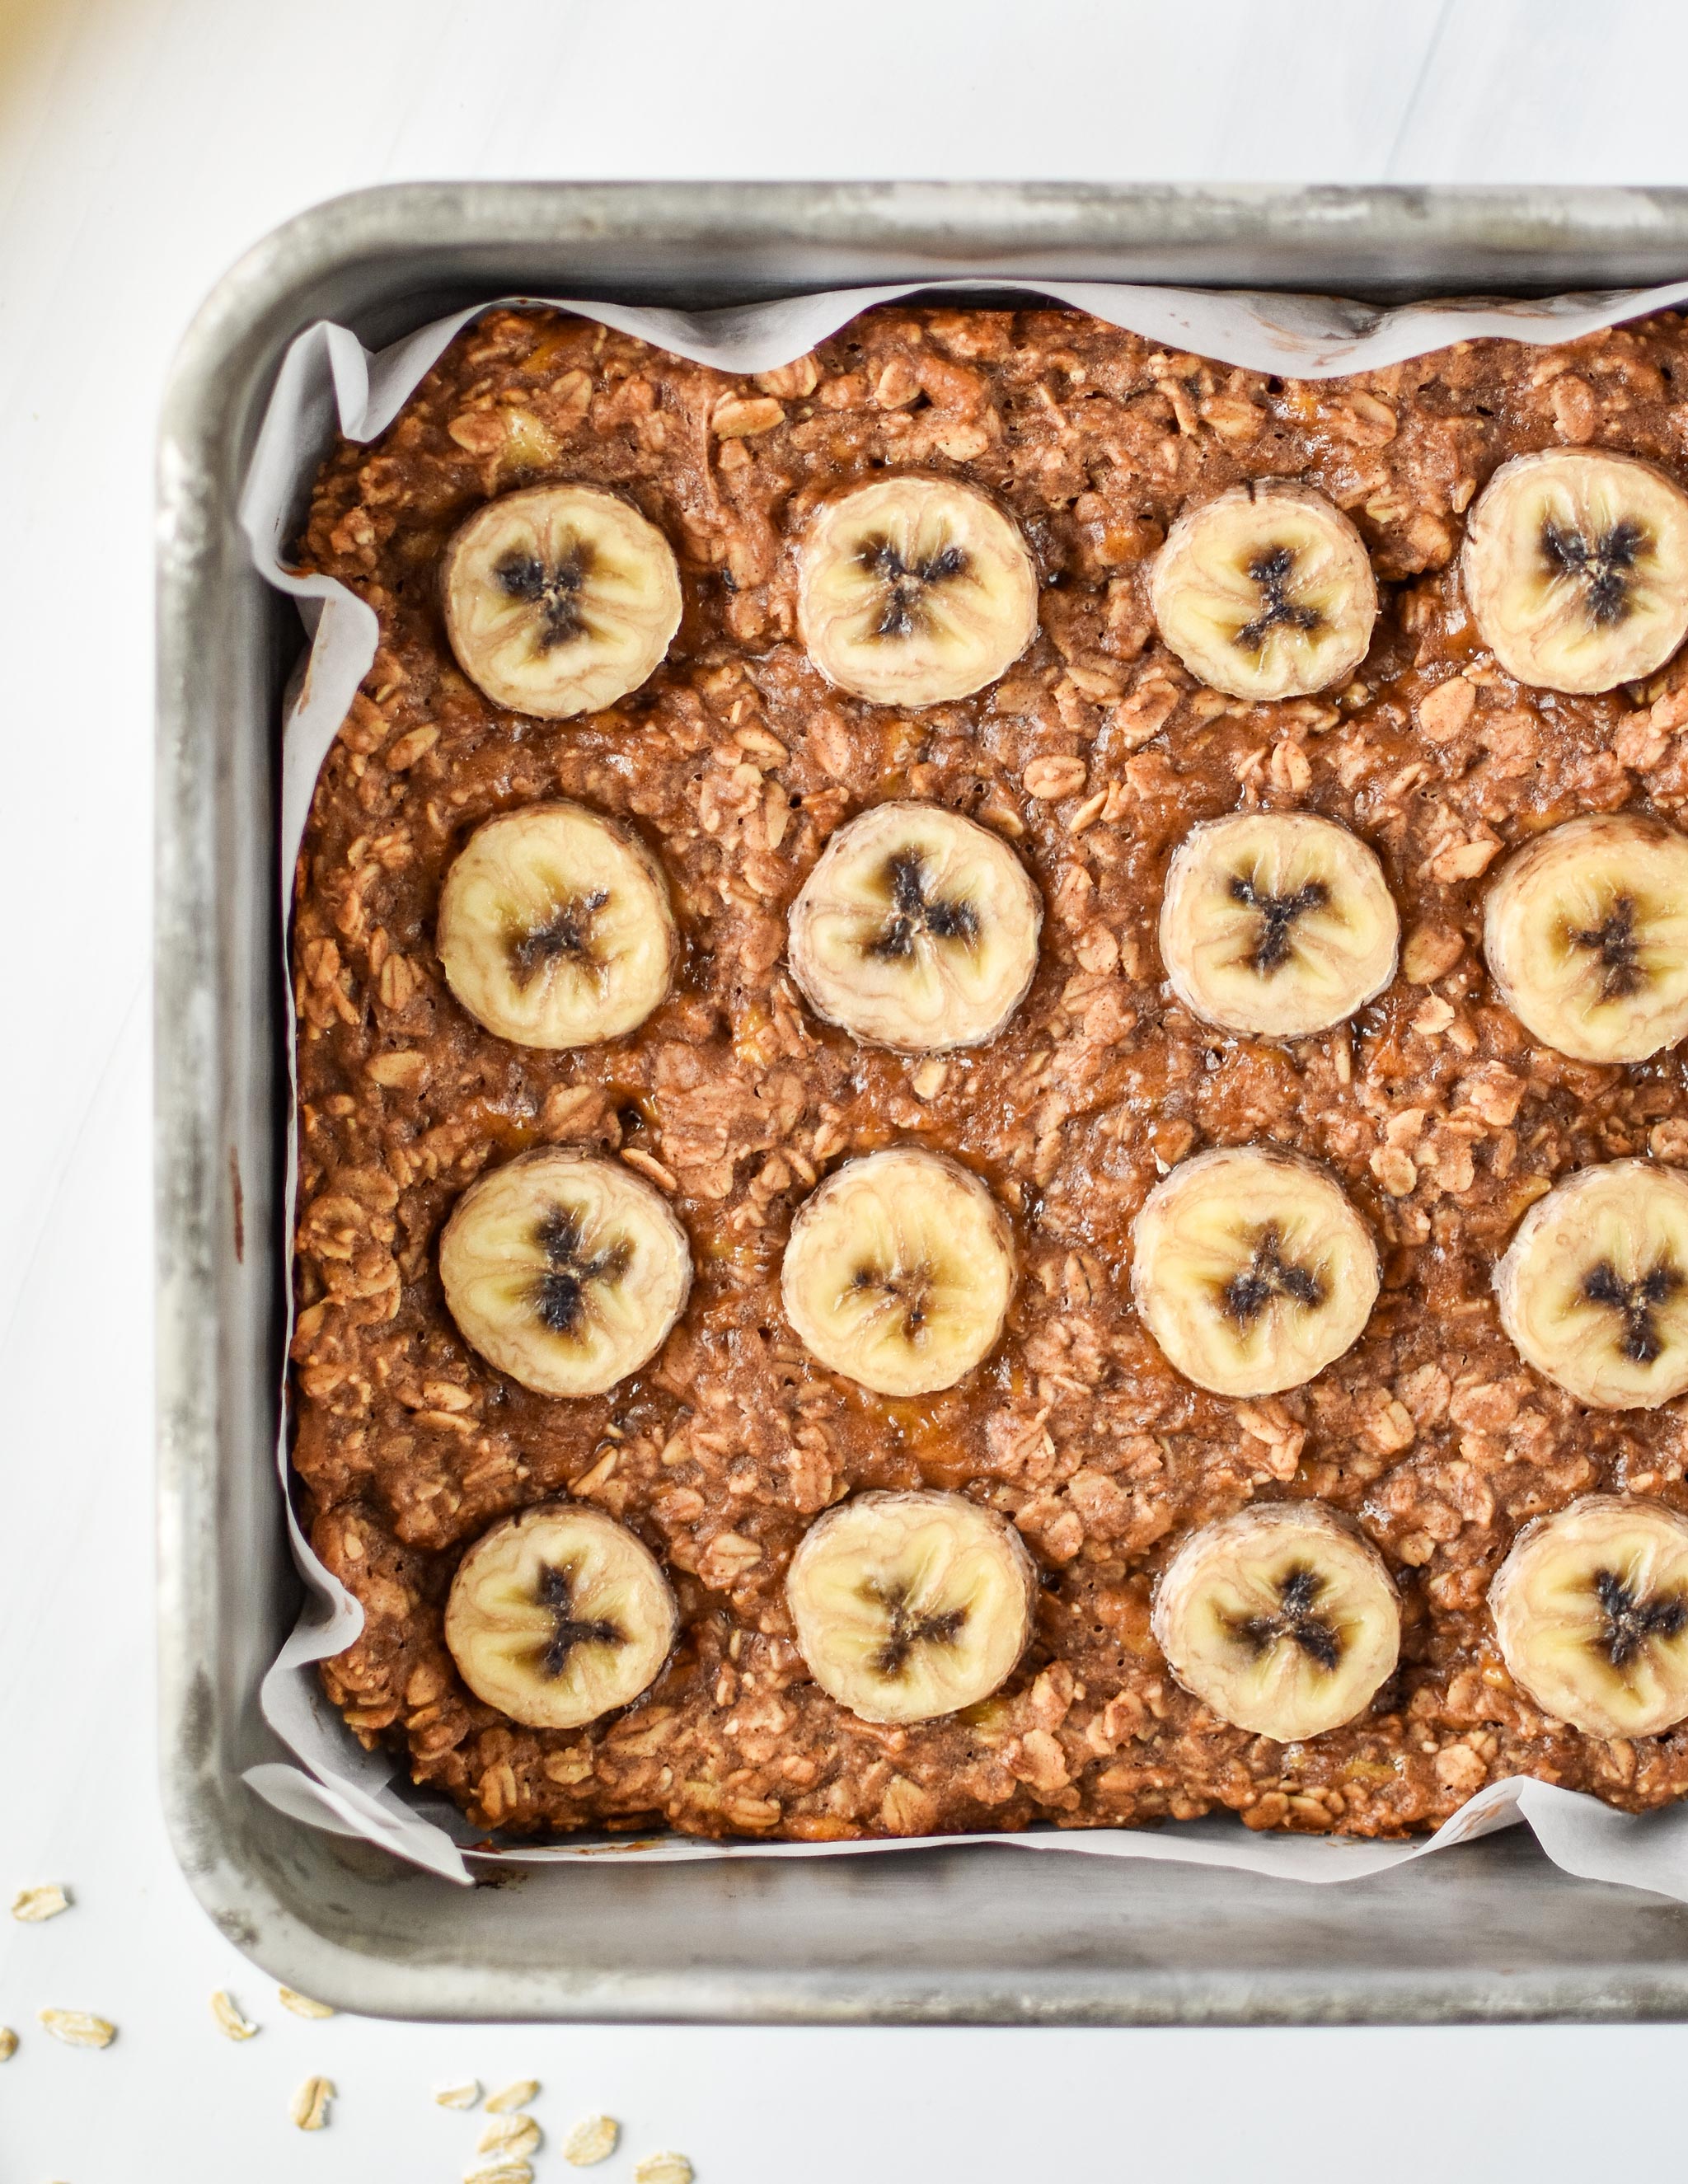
(1093, 754)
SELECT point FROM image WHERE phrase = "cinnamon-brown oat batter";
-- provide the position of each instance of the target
(1094, 753)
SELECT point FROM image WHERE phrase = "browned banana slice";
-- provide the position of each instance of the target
(564, 1271)
(1593, 1287)
(1266, 591)
(918, 929)
(560, 599)
(1586, 935)
(1251, 1270)
(1575, 564)
(556, 928)
(1282, 1618)
(909, 1605)
(914, 591)
(1590, 1609)
(558, 1615)
(1276, 923)
(899, 1272)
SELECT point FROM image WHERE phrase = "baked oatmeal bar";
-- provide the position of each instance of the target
(1412, 1452)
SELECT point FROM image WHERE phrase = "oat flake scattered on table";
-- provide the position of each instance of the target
(301, 2005)
(78, 2028)
(515, 2136)
(8, 2044)
(31, 1905)
(663, 2169)
(500, 2172)
(230, 2021)
(310, 2106)
(519, 2094)
(459, 2097)
(592, 2140)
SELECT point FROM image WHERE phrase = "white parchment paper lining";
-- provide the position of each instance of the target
(329, 380)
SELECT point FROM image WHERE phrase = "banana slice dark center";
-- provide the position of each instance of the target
(1619, 951)
(554, 587)
(1631, 1621)
(1269, 1274)
(913, 912)
(1277, 914)
(1297, 1619)
(555, 1594)
(561, 1295)
(1637, 1303)
(908, 1628)
(906, 610)
(1272, 569)
(566, 932)
(1604, 566)
(909, 1287)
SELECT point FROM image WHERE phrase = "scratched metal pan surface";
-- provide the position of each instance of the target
(956, 1935)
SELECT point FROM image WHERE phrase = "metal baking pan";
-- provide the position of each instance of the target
(956, 1935)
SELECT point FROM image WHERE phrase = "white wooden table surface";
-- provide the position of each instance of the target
(143, 145)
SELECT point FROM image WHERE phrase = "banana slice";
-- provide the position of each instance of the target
(1590, 1609)
(1586, 935)
(566, 1271)
(559, 1615)
(908, 1606)
(899, 1272)
(914, 591)
(1266, 592)
(560, 599)
(918, 929)
(1281, 1618)
(1575, 565)
(1251, 1270)
(1593, 1288)
(1276, 923)
(555, 928)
